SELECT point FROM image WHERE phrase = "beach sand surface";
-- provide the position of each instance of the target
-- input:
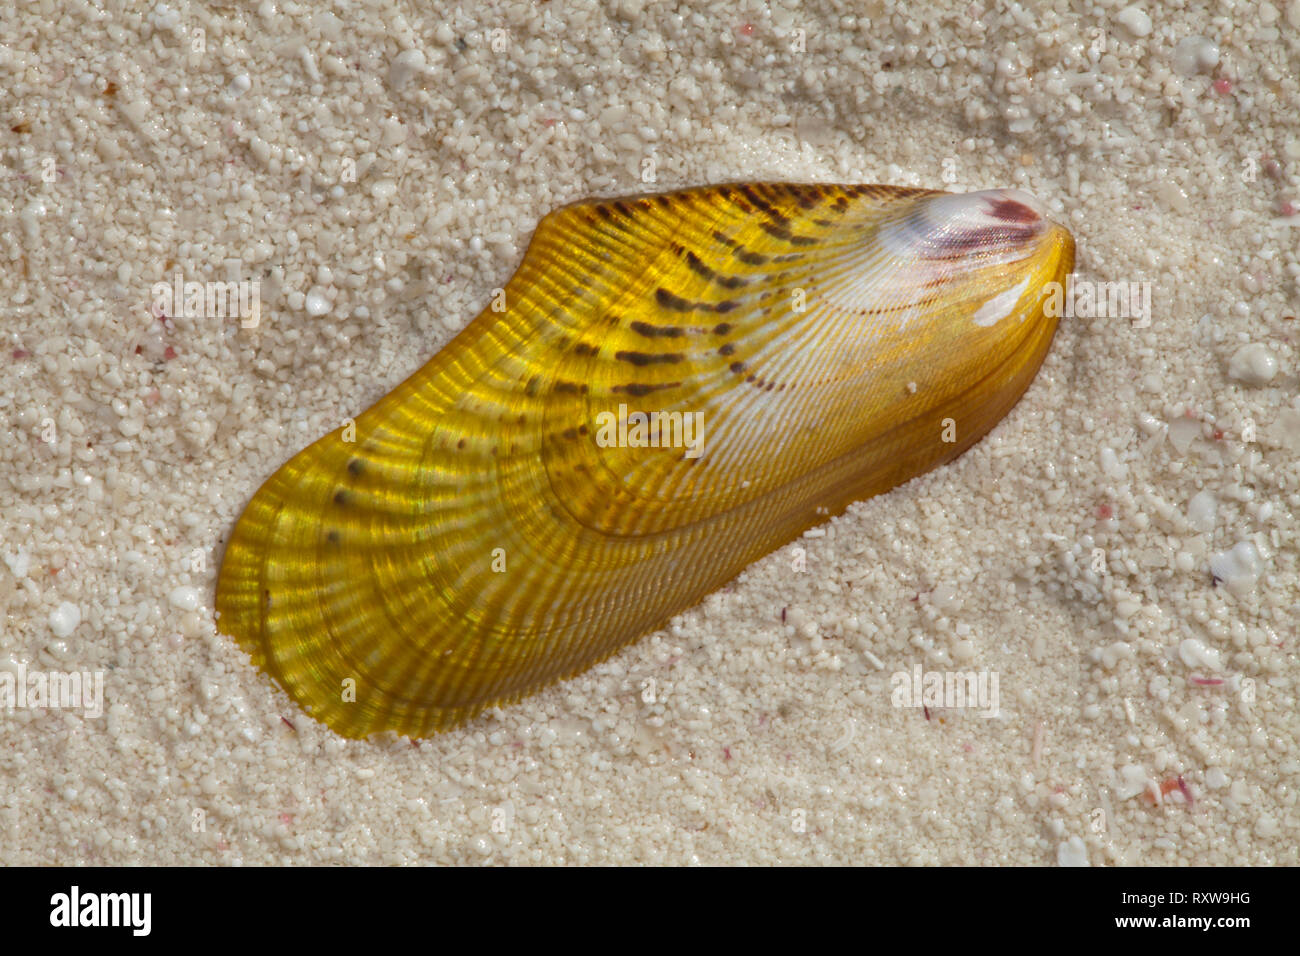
(1119, 553)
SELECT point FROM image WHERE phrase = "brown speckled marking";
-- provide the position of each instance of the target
(698, 266)
(638, 389)
(655, 331)
(648, 358)
(670, 301)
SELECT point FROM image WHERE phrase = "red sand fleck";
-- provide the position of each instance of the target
(746, 29)
(1167, 786)
(1207, 681)
(1288, 209)
(1222, 86)
(20, 354)
(169, 353)
(726, 753)
(286, 819)
(1105, 511)
(289, 723)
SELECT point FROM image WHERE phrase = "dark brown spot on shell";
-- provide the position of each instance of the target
(638, 388)
(655, 331)
(648, 358)
(670, 301)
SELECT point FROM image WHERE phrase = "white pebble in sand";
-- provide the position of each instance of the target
(1135, 20)
(19, 563)
(1196, 654)
(1132, 781)
(317, 304)
(1253, 364)
(1111, 465)
(1072, 852)
(64, 619)
(1182, 432)
(1195, 55)
(1202, 510)
(184, 598)
(1238, 568)
(405, 65)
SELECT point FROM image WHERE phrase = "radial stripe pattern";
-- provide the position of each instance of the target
(508, 515)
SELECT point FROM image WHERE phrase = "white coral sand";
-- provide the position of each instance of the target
(1119, 554)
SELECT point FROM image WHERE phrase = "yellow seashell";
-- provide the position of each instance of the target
(502, 520)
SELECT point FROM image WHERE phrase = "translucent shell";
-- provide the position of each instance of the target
(677, 385)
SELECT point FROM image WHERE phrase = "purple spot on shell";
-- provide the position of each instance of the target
(1009, 210)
